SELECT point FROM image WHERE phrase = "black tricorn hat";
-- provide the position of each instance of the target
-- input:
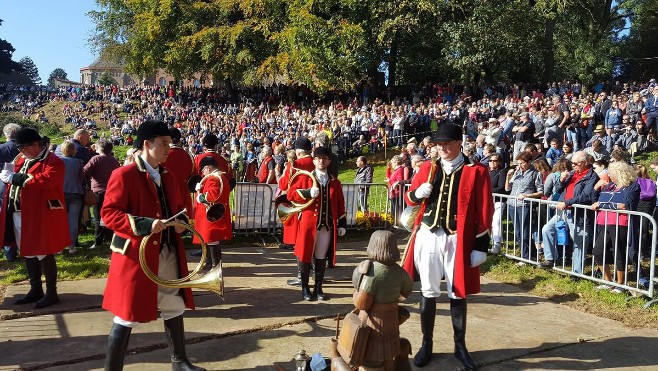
(210, 140)
(448, 132)
(175, 134)
(207, 161)
(303, 143)
(25, 136)
(321, 151)
(150, 129)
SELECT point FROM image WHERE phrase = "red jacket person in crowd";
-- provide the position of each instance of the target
(320, 223)
(453, 223)
(304, 162)
(33, 215)
(140, 197)
(213, 189)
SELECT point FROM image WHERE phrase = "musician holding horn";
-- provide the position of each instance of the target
(140, 198)
(320, 223)
(212, 215)
(304, 162)
(452, 236)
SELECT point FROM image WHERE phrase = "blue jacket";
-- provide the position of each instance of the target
(651, 105)
(583, 194)
(8, 151)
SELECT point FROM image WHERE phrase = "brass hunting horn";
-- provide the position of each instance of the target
(211, 281)
(287, 208)
(214, 210)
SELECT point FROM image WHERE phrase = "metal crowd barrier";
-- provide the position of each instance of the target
(253, 211)
(252, 208)
(519, 226)
(366, 206)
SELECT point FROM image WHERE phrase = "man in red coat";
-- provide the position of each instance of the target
(266, 173)
(211, 190)
(320, 223)
(140, 198)
(452, 236)
(33, 216)
(210, 142)
(304, 161)
(181, 163)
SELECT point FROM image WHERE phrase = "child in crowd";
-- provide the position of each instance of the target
(554, 153)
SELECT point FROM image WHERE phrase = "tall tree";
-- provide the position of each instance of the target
(58, 73)
(106, 79)
(30, 69)
(640, 50)
(7, 65)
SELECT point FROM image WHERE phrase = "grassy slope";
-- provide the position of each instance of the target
(553, 286)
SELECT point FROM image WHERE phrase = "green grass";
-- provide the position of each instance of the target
(579, 295)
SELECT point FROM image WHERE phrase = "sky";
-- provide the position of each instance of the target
(53, 33)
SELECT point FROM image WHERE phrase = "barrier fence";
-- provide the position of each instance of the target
(579, 240)
(253, 211)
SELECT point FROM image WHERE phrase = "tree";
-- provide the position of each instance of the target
(7, 65)
(58, 73)
(106, 79)
(30, 70)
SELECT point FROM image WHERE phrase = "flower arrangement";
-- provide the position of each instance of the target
(366, 220)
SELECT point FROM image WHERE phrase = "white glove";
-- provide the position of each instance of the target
(6, 175)
(341, 232)
(477, 258)
(315, 191)
(424, 190)
(197, 187)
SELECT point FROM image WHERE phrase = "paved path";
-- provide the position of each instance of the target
(264, 323)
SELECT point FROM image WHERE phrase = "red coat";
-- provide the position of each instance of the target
(263, 171)
(308, 219)
(131, 204)
(291, 225)
(181, 164)
(474, 218)
(222, 164)
(44, 223)
(214, 191)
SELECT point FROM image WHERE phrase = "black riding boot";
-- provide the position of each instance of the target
(427, 317)
(215, 255)
(49, 268)
(458, 315)
(305, 271)
(320, 266)
(297, 280)
(117, 343)
(175, 332)
(36, 289)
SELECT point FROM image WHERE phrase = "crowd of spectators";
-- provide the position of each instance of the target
(541, 129)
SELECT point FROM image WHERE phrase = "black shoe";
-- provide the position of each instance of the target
(36, 289)
(175, 332)
(304, 270)
(424, 354)
(547, 264)
(49, 269)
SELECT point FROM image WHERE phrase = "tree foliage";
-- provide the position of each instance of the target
(30, 69)
(58, 73)
(7, 65)
(105, 79)
(339, 44)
